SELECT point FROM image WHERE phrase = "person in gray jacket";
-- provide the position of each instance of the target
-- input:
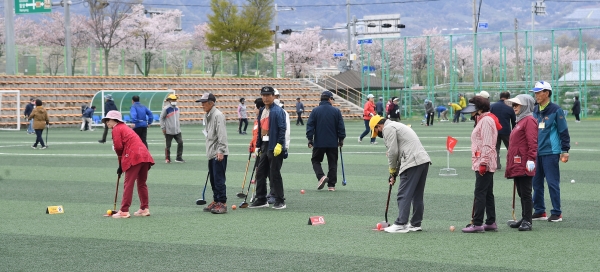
(217, 151)
(407, 159)
(429, 111)
(169, 123)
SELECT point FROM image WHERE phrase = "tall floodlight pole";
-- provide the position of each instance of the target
(67, 6)
(9, 36)
(275, 37)
(537, 8)
(349, 44)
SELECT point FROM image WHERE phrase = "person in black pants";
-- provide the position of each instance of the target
(430, 111)
(109, 105)
(576, 109)
(325, 132)
(506, 116)
(299, 111)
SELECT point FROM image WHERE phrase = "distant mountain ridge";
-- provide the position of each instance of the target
(443, 14)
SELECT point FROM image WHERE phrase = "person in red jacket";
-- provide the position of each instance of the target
(134, 160)
(522, 154)
(368, 112)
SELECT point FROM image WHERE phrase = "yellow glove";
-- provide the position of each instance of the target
(277, 150)
(393, 171)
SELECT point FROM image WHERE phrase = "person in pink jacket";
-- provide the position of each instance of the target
(368, 112)
(134, 159)
(522, 154)
(484, 163)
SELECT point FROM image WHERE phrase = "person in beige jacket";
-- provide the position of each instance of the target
(40, 120)
(407, 159)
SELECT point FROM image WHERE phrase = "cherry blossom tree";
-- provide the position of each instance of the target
(53, 36)
(150, 34)
(210, 55)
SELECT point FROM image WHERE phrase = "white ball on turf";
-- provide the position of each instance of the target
(572, 181)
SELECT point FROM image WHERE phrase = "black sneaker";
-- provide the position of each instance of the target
(555, 218)
(259, 204)
(322, 182)
(179, 160)
(100, 141)
(271, 199)
(515, 224)
(525, 226)
(539, 216)
(279, 205)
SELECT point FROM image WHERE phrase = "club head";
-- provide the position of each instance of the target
(200, 201)
(384, 224)
(241, 195)
(244, 205)
(510, 222)
(344, 183)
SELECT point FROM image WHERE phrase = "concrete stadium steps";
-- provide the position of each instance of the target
(63, 96)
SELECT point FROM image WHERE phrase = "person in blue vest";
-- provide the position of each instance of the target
(141, 118)
(109, 105)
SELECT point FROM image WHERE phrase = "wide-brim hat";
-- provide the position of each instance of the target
(470, 108)
(113, 114)
(515, 101)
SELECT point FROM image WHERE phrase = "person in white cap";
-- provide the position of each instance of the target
(134, 160)
(368, 112)
(554, 143)
(484, 94)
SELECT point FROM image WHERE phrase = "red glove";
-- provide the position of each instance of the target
(482, 169)
(251, 149)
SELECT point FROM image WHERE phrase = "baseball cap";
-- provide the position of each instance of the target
(370, 96)
(372, 123)
(541, 85)
(470, 108)
(484, 94)
(207, 97)
(327, 94)
(396, 99)
(267, 90)
(108, 96)
(171, 97)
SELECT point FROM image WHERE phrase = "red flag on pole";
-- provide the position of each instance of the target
(450, 143)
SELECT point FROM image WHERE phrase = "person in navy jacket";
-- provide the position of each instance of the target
(325, 132)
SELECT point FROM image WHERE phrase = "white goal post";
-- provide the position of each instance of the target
(10, 110)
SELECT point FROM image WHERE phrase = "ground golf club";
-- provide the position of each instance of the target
(241, 194)
(202, 201)
(385, 224)
(514, 219)
(114, 210)
(245, 204)
(343, 172)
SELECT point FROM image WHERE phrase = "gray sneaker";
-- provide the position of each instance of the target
(279, 205)
(413, 228)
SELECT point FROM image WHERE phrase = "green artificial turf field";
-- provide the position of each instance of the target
(80, 174)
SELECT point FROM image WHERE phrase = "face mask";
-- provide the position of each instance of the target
(173, 103)
(380, 134)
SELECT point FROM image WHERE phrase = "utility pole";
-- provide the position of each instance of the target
(517, 47)
(475, 74)
(9, 39)
(68, 55)
(537, 8)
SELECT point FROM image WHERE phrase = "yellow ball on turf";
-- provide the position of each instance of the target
(109, 212)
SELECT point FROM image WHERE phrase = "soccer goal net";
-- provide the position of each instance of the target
(10, 110)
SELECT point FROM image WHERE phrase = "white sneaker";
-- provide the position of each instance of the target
(359, 140)
(397, 228)
(413, 228)
(373, 143)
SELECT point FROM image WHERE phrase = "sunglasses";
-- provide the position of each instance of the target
(515, 105)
